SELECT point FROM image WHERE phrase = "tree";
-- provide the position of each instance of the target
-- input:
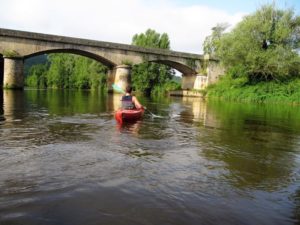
(37, 76)
(67, 71)
(146, 76)
(212, 42)
(56, 72)
(97, 74)
(263, 46)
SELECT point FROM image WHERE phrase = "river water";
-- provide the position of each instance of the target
(64, 160)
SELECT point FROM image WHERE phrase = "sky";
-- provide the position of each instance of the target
(187, 22)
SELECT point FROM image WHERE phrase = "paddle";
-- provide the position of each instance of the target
(119, 89)
(152, 114)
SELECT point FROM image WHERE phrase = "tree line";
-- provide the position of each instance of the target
(62, 70)
(260, 55)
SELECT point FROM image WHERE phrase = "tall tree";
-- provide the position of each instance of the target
(147, 75)
(263, 46)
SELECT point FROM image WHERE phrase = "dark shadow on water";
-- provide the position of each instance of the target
(296, 198)
(2, 118)
(1, 70)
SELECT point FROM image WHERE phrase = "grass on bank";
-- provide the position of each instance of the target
(240, 90)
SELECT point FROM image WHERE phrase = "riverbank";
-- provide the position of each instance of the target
(187, 93)
(263, 92)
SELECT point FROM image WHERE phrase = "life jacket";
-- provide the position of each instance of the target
(127, 102)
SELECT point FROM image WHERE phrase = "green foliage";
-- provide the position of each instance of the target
(28, 63)
(146, 76)
(57, 72)
(10, 53)
(127, 62)
(166, 87)
(264, 45)
(97, 75)
(237, 71)
(68, 71)
(151, 39)
(38, 76)
(261, 55)
(239, 89)
(172, 86)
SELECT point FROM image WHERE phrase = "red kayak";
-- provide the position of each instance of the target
(129, 115)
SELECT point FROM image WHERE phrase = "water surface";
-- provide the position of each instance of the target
(65, 160)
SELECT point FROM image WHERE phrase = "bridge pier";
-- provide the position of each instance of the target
(110, 80)
(13, 77)
(214, 71)
(188, 81)
(121, 76)
(194, 81)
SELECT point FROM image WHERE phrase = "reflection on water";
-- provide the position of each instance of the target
(197, 109)
(113, 102)
(259, 150)
(130, 127)
(13, 104)
(65, 160)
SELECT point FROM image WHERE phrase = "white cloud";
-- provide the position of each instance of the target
(116, 20)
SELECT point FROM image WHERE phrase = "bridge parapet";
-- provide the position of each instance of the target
(7, 33)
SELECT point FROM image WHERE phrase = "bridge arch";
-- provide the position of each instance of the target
(96, 57)
(184, 69)
(115, 74)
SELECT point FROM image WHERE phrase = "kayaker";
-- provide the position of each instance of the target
(129, 101)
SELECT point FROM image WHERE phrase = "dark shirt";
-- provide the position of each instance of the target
(127, 102)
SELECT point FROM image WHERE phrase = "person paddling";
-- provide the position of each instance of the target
(129, 101)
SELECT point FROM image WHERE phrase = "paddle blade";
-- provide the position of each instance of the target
(152, 114)
(118, 89)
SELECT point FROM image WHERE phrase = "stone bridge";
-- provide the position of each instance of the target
(16, 46)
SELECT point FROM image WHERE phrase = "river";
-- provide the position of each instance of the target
(64, 160)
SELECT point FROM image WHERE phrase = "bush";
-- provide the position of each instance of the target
(272, 92)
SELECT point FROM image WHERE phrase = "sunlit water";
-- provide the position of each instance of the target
(64, 160)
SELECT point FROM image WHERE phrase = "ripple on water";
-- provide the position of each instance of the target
(199, 164)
